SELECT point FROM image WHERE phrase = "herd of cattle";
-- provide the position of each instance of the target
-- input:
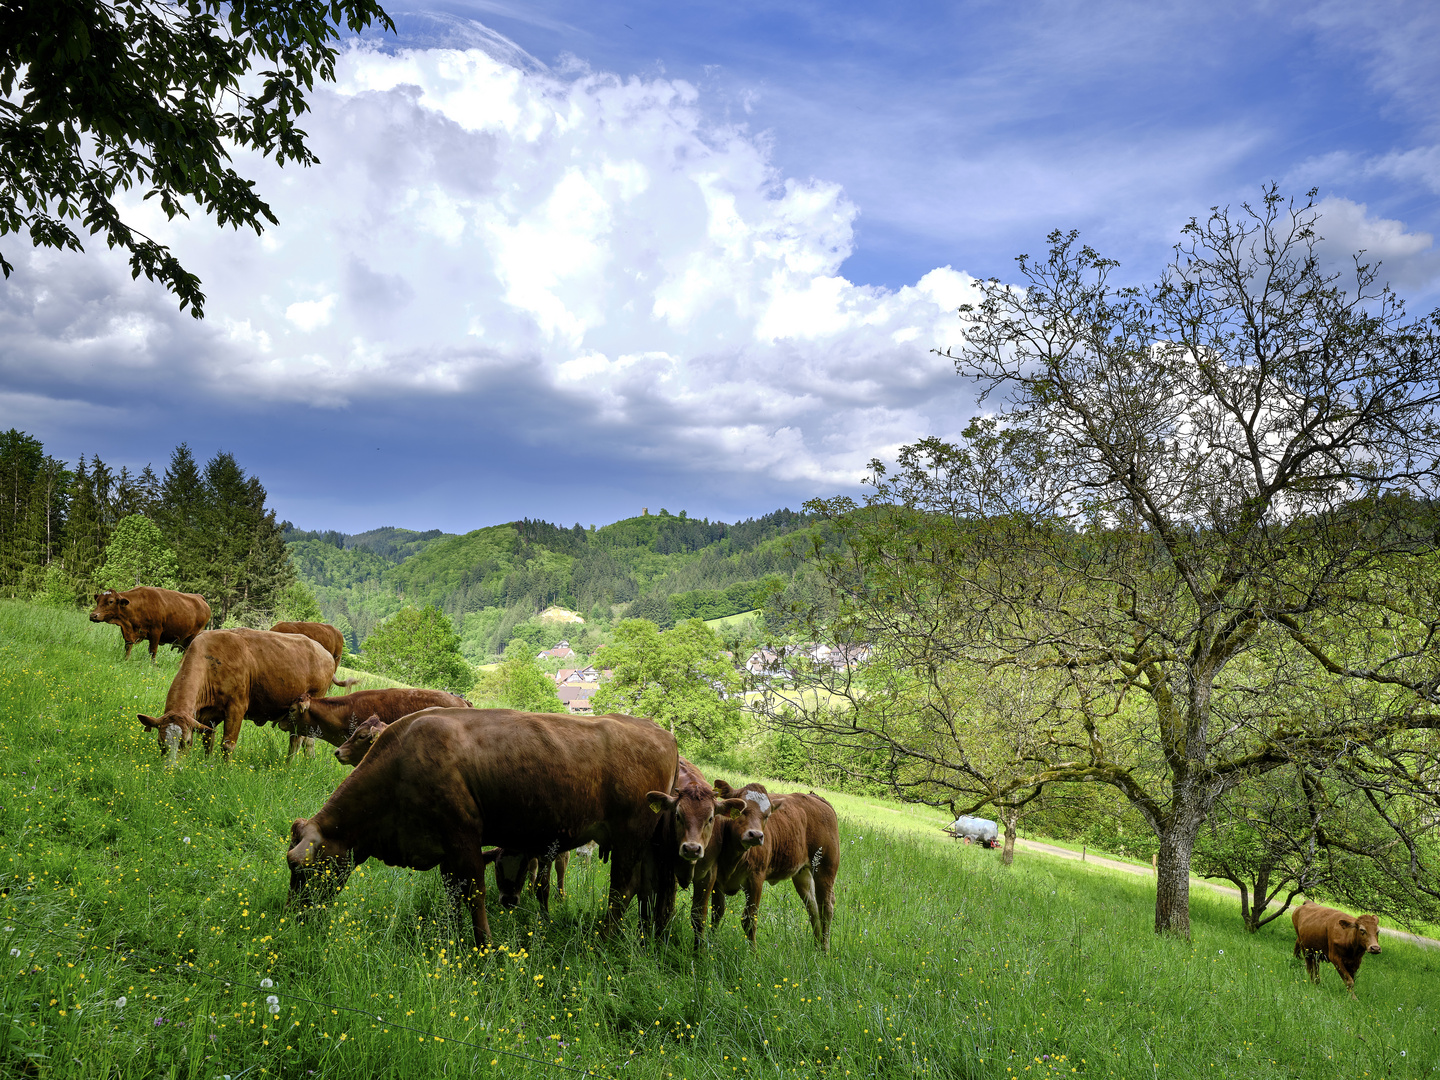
(435, 781)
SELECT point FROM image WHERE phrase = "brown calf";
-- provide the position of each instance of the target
(335, 719)
(687, 842)
(1322, 933)
(799, 840)
(160, 616)
(514, 870)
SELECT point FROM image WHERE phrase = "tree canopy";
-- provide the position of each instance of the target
(420, 647)
(1178, 486)
(104, 96)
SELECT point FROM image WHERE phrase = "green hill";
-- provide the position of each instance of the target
(493, 581)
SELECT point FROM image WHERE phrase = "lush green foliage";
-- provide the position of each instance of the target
(942, 966)
(419, 646)
(494, 581)
(105, 95)
(137, 555)
(680, 678)
(518, 682)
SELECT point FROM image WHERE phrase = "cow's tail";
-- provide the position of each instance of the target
(345, 682)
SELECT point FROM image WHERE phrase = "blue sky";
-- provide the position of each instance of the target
(694, 256)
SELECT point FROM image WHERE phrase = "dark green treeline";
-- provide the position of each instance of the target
(56, 524)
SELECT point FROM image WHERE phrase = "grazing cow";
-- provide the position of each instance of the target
(332, 640)
(231, 674)
(335, 719)
(161, 616)
(437, 784)
(688, 842)
(799, 840)
(1322, 933)
(514, 870)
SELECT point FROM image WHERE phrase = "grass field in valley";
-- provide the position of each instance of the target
(122, 879)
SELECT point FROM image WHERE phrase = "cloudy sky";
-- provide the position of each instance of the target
(565, 260)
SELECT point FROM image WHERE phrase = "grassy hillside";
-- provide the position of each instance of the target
(121, 878)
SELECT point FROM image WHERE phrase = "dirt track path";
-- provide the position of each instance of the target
(1131, 868)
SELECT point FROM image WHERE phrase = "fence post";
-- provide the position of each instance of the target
(1082, 852)
(1155, 864)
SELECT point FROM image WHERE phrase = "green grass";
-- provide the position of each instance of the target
(943, 963)
(732, 620)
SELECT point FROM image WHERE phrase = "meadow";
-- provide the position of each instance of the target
(144, 933)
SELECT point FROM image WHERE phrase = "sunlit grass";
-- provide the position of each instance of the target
(121, 877)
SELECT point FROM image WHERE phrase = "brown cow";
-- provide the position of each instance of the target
(331, 639)
(335, 719)
(438, 784)
(353, 750)
(799, 841)
(162, 616)
(1322, 933)
(231, 674)
(688, 842)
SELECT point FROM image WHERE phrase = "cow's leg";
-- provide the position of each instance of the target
(234, 717)
(754, 888)
(542, 887)
(561, 862)
(129, 644)
(624, 881)
(825, 896)
(804, 883)
(1312, 965)
(701, 888)
(717, 907)
(1349, 979)
(465, 882)
(154, 645)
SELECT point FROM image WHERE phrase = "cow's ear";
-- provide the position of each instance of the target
(304, 701)
(487, 857)
(660, 802)
(1347, 924)
(297, 828)
(149, 721)
(723, 788)
(124, 601)
(776, 804)
(733, 808)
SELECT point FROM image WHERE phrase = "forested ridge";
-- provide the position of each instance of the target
(68, 532)
(494, 581)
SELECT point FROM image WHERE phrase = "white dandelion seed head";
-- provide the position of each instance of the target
(265, 984)
(120, 1002)
(272, 1003)
(14, 952)
(186, 840)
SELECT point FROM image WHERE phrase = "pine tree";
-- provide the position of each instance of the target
(82, 530)
(178, 513)
(21, 456)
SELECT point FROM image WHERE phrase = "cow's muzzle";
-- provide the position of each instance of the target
(509, 901)
(753, 837)
(1373, 948)
(691, 852)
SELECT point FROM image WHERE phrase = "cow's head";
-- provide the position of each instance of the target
(176, 730)
(353, 750)
(109, 607)
(749, 824)
(294, 718)
(318, 866)
(692, 810)
(513, 871)
(1365, 930)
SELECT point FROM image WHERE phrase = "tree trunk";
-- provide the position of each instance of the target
(1172, 864)
(1011, 816)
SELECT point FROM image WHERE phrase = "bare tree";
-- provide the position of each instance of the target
(1234, 461)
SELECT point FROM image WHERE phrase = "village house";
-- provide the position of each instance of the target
(559, 652)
